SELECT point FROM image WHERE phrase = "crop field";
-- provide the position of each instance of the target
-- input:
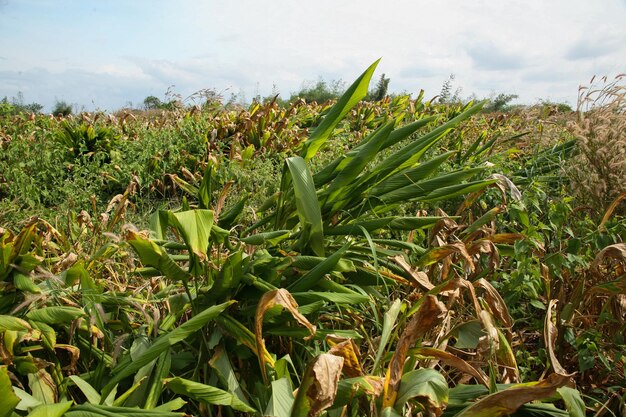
(396, 256)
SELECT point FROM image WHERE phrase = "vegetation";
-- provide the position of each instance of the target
(344, 258)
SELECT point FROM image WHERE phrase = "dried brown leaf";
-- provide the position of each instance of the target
(429, 315)
(508, 401)
(418, 278)
(283, 298)
(453, 360)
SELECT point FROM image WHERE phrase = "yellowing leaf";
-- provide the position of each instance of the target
(283, 298)
(345, 348)
(508, 401)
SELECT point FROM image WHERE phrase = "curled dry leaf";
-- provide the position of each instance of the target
(617, 251)
(453, 360)
(418, 278)
(346, 348)
(506, 238)
(550, 333)
(487, 247)
(442, 252)
(319, 386)
(495, 302)
(430, 314)
(509, 400)
(283, 298)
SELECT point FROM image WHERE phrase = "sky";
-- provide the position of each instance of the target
(107, 54)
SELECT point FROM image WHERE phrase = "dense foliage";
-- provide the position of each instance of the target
(392, 257)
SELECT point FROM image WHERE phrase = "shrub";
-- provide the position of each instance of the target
(62, 108)
(598, 172)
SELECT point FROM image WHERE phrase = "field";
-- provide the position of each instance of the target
(389, 257)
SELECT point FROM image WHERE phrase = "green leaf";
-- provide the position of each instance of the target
(281, 401)
(273, 237)
(349, 99)
(423, 382)
(333, 297)
(573, 402)
(13, 323)
(42, 387)
(311, 278)
(51, 410)
(389, 321)
(206, 393)
(90, 393)
(55, 314)
(25, 283)
(194, 227)
(226, 374)
(155, 256)
(129, 366)
(354, 165)
(8, 399)
(307, 204)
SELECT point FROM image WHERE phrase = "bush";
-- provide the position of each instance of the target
(62, 108)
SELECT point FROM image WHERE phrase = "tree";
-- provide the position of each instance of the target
(321, 91)
(380, 91)
(500, 103)
(152, 102)
(62, 108)
(446, 95)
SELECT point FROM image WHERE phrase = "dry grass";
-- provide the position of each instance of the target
(598, 172)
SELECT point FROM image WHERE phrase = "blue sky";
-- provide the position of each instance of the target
(105, 54)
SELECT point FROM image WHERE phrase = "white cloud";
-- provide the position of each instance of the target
(119, 53)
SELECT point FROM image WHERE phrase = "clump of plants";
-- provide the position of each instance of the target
(598, 172)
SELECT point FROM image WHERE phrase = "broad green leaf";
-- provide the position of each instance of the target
(349, 99)
(27, 401)
(307, 205)
(281, 401)
(155, 387)
(194, 227)
(311, 278)
(25, 283)
(426, 383)
(273, 237)
(129, 366)
(355, 164)
(206, 394)
(90, 393)
(173, 405)
(408, 156)
(391, 223)
(155, 256)
(226, 374)
(351, 388)
(13, 323)
(389, 321)
(55, 314)
(423, 189)
(333, 297)
(573, 402)
(411, 176)
(43, 387)
(8, 399)
(51, 410)
(90, 410)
